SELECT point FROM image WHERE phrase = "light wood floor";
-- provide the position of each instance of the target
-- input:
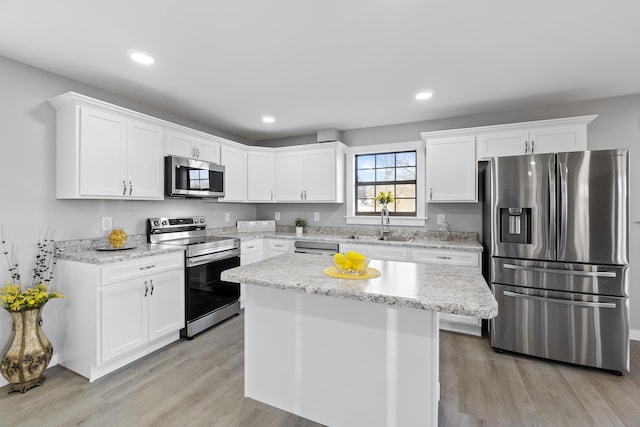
(200, 383)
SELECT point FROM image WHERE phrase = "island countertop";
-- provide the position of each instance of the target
(442, 288)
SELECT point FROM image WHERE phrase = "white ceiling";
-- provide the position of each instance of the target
(345, 64)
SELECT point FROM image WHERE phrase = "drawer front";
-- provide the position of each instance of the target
(437, 256)
(141, 267)
(279, 245)
(250, 246)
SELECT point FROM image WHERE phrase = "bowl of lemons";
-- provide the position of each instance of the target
(351, 263)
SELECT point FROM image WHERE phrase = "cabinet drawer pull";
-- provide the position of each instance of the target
(443, 257)
(147, 267)
(250, 247)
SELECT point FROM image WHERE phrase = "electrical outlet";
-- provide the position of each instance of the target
(107, 223)
(316, 216)
(227, 217)
(277, 216)
(441, 218)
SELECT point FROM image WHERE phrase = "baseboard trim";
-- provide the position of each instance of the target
(634, 334)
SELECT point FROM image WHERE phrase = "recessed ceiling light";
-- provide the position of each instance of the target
(424, 95)
(268, 119)
(141, 58)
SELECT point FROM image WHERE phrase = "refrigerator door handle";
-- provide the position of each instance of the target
(552, 210)
(560, 301)
(560, 271)
(564, 210)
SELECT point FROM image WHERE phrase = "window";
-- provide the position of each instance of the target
(394, 172)
(397, 167)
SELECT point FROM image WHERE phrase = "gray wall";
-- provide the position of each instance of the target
(617, 126)
(27, 178)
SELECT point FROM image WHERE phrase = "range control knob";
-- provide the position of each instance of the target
(164, 222)
(156, 223)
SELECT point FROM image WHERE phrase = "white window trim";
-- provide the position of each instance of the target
(421, 155)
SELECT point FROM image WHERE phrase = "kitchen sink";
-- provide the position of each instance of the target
(396, 239)
(385, 238)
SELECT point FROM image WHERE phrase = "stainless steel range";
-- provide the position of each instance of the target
(208, 299)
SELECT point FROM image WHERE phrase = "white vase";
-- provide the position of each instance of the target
(299, 231)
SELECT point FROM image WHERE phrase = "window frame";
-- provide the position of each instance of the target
(396, 220)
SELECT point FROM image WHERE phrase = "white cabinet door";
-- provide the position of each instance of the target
(277, 247)
(289, 176)
(557, 139)
(452, 170)
(235, 181)
(320, 175)
(145, 163)
(260, 176)
(208, 150)
(124, 324)
(166, 303)
(103, 142)
(506, 143)
(180, 144)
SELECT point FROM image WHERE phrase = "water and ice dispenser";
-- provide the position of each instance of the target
(515, 225)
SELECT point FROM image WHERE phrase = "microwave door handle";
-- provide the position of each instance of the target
(564, 209)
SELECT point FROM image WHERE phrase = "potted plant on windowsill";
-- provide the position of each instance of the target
(300, 223)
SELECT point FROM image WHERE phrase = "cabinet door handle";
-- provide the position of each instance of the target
(305, 194)
(532, 146)
(146, 288)
(430, 193)
(152, 287)
(130, 188)
(271, 194)
(124, 187)
(301, 195)
(526, 147)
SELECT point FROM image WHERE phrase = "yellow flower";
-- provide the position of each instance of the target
(14, 298)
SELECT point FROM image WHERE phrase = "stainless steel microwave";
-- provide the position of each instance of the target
(192, 178)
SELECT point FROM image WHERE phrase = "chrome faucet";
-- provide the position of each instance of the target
(384, 221)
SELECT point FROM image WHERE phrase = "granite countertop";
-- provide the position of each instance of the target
(442, 288)
(140, 250)
(458, 244)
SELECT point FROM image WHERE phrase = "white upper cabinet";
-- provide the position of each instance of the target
(306, 174)
(451, 169)
(102, 153)
(544, 136)
(234, 159)
(192, 146)
(260, 176)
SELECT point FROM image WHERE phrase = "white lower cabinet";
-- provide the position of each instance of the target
(277, 247)
(452, 322)
(250, 251)
(389, 253)
(117, 313)
(449, 322)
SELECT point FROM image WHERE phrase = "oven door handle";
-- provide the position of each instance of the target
(205, 259)
(560, 271)
(560, 301)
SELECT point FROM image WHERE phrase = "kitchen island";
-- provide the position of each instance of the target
(351, 352)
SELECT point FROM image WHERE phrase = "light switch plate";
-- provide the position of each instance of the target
(107, 223)
(227, 217)
(277, 216)
(316, 216)
(441, 218)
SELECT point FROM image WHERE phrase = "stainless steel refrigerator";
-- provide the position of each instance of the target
(559, 255)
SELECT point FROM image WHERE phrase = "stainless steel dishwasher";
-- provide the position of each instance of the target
(318, 248)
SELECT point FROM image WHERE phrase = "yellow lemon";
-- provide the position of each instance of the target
(347, 265)
(338, 258)
(355, 256)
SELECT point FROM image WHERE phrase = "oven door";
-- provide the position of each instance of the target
(205, 292)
